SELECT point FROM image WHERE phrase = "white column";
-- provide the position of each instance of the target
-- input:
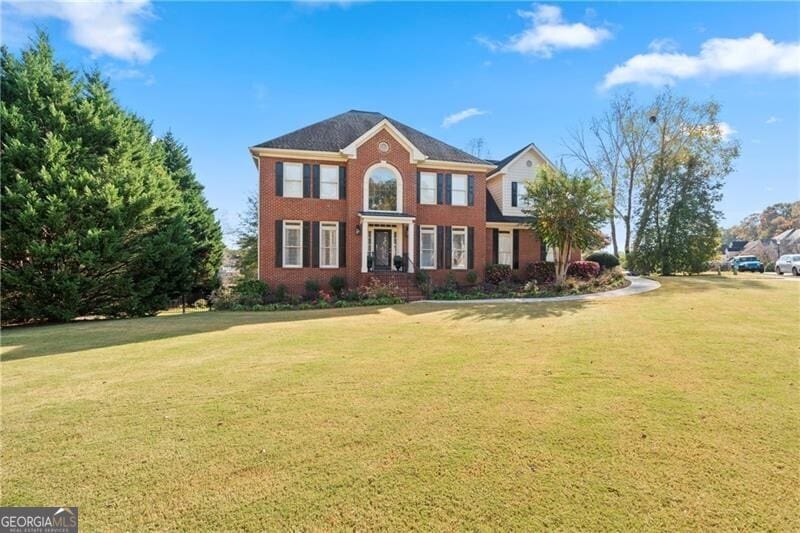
(411, 247)
(364, 244)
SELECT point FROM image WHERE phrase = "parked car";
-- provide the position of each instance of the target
(748, 263)
(788, 263)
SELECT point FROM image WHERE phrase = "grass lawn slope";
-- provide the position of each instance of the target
(675, 409)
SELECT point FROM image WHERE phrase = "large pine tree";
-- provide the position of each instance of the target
(92, 223)
(205, 231)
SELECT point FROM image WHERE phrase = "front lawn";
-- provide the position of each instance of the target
(675, 409)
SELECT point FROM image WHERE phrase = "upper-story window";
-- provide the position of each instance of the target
(383, 189)
(459, 189)
(427, 187)
(293, 180)
(329, 182)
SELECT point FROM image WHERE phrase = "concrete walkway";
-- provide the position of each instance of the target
(638, 285)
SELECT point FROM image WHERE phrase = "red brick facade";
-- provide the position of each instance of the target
(273, 208)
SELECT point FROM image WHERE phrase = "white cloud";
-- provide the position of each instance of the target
(455, 118)
(548, 32)
(772, 120)
(718, 57)
(663, 45)
(110, 28)
(116, 73)
(725, 130)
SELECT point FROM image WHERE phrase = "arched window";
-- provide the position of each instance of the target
(383, 189)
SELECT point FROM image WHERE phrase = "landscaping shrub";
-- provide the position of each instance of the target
(450, 282)
(200, 303)
(583, 269)
(338, 284)
(422, 278)
(604, 259)
(542, 272)
(312, 289)
(472, 277)
(251, 292)
(769, 267)
(498, 274)
(281, 293)
(376, 288)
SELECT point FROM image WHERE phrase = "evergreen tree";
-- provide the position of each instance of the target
(91, 221)
(247, 240)
(205, 231)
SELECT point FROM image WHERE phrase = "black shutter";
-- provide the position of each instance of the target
(542, 251)
(448, 247)
(306, 244)
(470, 247)
(440, 246)
(315, 244)
(306, 181)
(515, 250)
(342, 244)
(470, 190)
(448, 189)
(342, 183)
(279, 243)
(495, 246)
(418, 250)
(439, 188)
(418, 184)
(513, 194)
(278, 178)
(315, 179)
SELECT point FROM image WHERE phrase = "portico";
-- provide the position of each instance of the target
(385, 235)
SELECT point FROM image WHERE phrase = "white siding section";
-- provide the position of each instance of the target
(519, 172)
(495, 188)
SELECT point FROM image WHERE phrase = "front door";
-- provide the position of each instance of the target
(383, 249)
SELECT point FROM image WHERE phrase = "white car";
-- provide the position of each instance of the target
(788, 263)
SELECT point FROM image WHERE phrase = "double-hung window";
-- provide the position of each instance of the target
(459, 189)
(293, 180)
(459, 248)
(427, 247)
(427, 188)
(504, 248)
(329, 182)
(329, 244)
(292, 244)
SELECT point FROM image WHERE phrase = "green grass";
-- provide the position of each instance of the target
(675, 409)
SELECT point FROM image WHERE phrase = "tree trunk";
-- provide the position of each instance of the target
(614, 235)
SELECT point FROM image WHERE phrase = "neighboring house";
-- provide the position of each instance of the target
(733, 248)
(346, 195)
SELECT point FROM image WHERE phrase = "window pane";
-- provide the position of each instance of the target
(292, 256)
(427, 249)
(329, 191)
(329, 252)
(427, 186)
(459, 198)
(329, 182)
(459, 249)
(382, 190)
(293, 180)
(504, 251)
(459, 189)
(292, 237)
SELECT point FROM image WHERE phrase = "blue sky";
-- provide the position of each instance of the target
(224, 76)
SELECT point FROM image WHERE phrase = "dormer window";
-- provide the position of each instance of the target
(383, 189)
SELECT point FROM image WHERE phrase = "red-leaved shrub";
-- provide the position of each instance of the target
(583, 269)
(542, 272)
(497, 274)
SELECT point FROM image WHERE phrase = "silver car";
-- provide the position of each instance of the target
(788, 263)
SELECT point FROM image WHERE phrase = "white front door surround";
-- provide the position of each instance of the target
(402, 231)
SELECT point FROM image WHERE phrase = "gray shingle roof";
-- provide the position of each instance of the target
(506, 160)
(494, 214)
(335, 133)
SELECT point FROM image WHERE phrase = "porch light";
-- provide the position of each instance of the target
(358, 229)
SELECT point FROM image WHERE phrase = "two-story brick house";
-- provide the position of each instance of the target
(346, 195)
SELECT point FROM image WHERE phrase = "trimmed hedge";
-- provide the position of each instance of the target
(604, 259)
(583, 269)
(542, 272)
(498, 274)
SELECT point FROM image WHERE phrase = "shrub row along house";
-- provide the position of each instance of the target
(359, 194)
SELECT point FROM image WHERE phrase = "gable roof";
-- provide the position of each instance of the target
(336, 133)
(508, 159)
(494, 214)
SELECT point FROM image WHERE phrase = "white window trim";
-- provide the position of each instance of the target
(295, 224)
(336, 182)
(400, 188)
(466, 189)
(335, 227)
(461, 230)
(435, 186)
(432, 231)
(510, 253)
(285, 173)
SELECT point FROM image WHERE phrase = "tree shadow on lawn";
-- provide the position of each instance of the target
(37, 341)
